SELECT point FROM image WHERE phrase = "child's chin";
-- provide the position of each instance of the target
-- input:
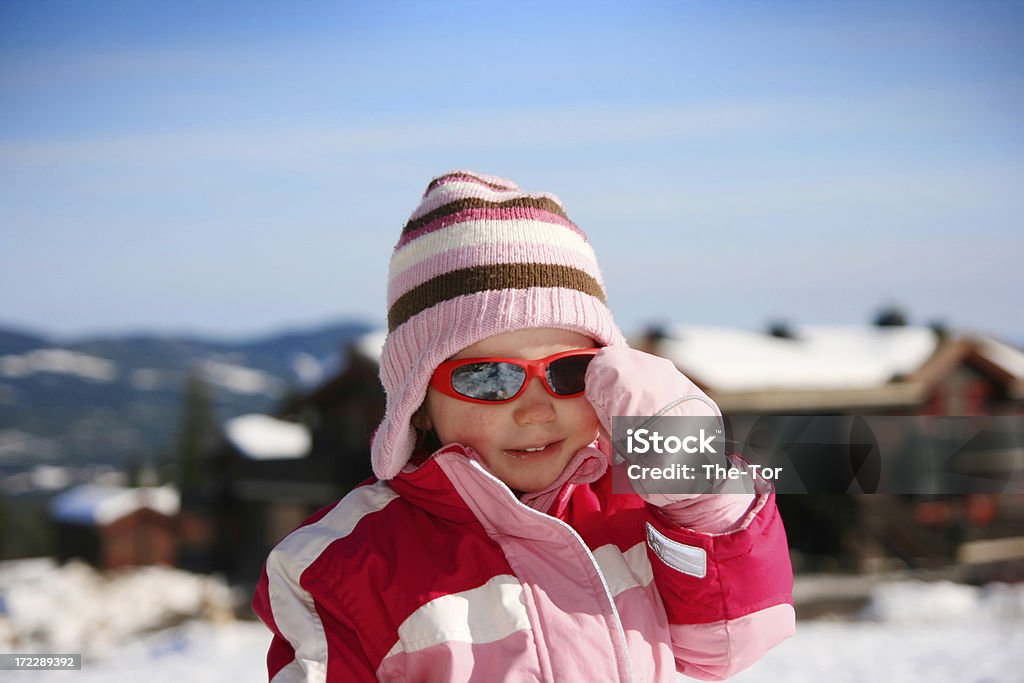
(533, 484)
(528, 487)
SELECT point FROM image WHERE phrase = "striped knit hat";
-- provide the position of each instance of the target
(477, 258)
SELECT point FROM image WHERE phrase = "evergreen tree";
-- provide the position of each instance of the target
(5, 527)
(197, 431)
(133, 468)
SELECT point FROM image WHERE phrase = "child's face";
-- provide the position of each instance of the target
(501, 432)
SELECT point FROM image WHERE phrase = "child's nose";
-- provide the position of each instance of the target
(535, 405)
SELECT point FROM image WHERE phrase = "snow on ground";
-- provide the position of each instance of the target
(193, 652)
(910, 631)
(838, 652)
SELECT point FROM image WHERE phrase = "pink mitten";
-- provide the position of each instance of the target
(624, 382)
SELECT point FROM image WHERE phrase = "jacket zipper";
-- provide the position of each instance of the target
(593, 561)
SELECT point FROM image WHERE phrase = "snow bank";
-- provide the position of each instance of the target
(74, 608)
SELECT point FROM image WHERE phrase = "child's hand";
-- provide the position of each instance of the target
(624, 382)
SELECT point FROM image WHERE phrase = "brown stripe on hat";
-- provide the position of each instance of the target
(541, 203)
(486, 278)
(467, 177)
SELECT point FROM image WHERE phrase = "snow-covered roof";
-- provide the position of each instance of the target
(1006, 357)
(370, 345)
(262, 437)
(815, 358)
(102, 504)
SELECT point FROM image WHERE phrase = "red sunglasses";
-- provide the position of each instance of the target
(499, 380)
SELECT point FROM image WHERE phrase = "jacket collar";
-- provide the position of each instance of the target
(428, 486)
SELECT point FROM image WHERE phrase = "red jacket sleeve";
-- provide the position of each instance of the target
(728, 596)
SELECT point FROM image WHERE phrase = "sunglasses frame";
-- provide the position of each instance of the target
(442, 377)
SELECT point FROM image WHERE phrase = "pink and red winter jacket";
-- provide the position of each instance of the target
(441, 574)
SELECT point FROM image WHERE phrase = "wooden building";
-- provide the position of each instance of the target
(874, 370)
(877, 370)
(113, 527)
(269, 472)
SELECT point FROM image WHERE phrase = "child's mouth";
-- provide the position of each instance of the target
(533, 452)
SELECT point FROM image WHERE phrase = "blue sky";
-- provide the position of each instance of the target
(232, 168)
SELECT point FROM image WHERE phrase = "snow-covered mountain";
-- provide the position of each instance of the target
(108, 399)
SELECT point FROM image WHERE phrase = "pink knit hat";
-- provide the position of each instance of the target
(477, 258)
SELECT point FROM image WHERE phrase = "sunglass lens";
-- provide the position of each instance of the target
(488, 381)
(565, 376)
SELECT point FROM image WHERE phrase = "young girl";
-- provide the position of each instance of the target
(490, 546)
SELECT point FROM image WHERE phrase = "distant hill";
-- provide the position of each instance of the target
(16, 341)
(111, 398)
